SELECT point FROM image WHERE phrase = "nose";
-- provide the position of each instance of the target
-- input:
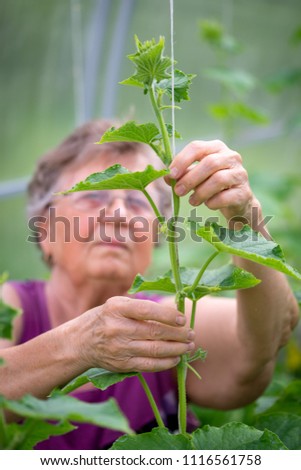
(117, 206)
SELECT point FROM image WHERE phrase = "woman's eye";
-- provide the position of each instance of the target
(93, 196)
(92, 199)
(138, 204)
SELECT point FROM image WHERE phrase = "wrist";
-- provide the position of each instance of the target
(251, 214)
(71, 346)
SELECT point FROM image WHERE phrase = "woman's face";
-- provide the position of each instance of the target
(103, 235)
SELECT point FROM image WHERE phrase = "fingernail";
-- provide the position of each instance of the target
(180, 190)
(191, 335)
(174, 172)
(190, 347)
(192, 201)
(181, 320)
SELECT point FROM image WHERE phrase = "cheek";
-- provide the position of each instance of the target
(143, 237)
(66, 228)
(69, 234)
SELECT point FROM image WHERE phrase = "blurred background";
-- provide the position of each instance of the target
(60, 64)
(61, 61)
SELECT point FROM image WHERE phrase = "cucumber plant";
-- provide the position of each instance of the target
(153, 76)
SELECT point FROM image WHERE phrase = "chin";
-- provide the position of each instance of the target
(114, 273)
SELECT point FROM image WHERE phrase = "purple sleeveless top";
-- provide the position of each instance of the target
(129, 393)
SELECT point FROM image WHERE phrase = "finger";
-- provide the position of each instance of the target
(197, 174)
(150, 364)
(151, 330)
(218, 182)
(159, 348)
(231, 198)
(194, 152)
(148, 310)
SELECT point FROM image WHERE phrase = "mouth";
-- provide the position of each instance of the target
(114, 245)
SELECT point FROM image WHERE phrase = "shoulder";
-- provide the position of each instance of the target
(18, 295)
(10, 296)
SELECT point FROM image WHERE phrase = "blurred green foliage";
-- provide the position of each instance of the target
(236, 83)
(37, 103)
(36, 96)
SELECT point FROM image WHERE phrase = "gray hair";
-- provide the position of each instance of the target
(73, 152)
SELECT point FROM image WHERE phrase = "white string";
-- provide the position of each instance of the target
(77, 62)
(173, 140)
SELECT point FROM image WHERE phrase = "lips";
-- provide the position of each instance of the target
(114, 244)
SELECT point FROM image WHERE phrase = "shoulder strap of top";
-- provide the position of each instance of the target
(35, 313)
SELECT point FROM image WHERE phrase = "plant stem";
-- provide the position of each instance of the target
(193, 310)
(194, 371)
(182, 407)
(153, 204)
(174, 260)
(203, 269)
(151, 400)
(162, 125)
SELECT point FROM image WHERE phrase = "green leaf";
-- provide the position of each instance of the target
(286, 425)
(239, 81)
(169, 129)
(247, 112)
(289, 400)
(131, 81)
(235, 436)
(66, 408)
(296, 36)
(158, 438)
(149, 62)
(237, 110)
(131, 132)
(25, 436)
(118, 177)
(3, 277)
(182, 82)
(213, 33)
(7, 315)
(247, 244)
(284, 79)
(227, 277)
(163, 283)
(145, 133)
(100, 378)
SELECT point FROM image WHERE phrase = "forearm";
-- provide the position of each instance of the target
(41, 364)
(266, 315)
(241, 353)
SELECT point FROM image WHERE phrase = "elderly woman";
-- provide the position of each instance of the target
(82, 317)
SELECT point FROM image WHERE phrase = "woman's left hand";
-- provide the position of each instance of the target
(218, 180)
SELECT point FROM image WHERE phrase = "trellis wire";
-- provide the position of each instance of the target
(173, 141)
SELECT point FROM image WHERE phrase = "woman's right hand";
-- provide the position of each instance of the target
(127, 334)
